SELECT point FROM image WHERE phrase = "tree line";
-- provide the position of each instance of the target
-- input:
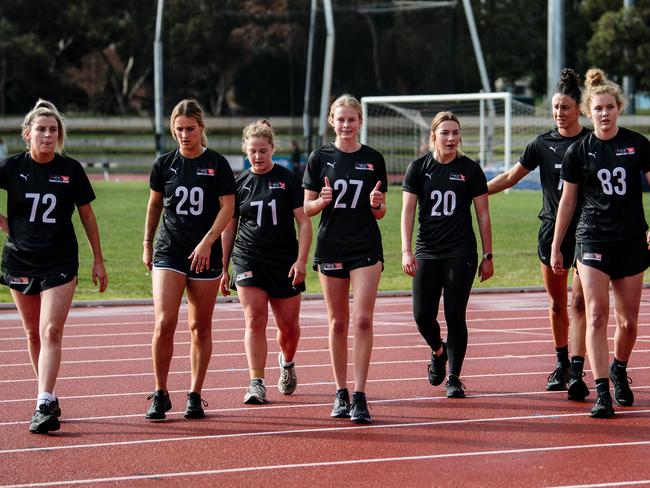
(249, 56)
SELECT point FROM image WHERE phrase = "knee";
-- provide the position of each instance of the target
(363, 324)
(200, 331)
(626, 325)
(164, 329)
(598, 319)
(338, 327)
(52, 334)
(578, 303)
(557, 307)
(33, 338)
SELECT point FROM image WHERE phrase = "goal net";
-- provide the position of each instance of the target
(495, 128)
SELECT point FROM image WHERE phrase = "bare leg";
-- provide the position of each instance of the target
(578, 318)
(29, 308)
(256, 314)
(286, 312)
(558, 314)
(336, 292)
(627, 300)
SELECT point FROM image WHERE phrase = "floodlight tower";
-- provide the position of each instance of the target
(158, 77)
(554, 45)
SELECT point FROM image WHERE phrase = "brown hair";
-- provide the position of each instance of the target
(438, 119)
(43, 108)
(260, 128)
(189, 108)
(597, 83)
(346, 100)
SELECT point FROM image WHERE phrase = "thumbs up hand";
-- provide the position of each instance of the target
(376, 197)
(326, 193)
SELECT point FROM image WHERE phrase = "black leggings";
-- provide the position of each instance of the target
(455, 276)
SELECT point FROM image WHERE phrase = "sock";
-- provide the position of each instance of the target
(358, 394)
(259, 379)
(44, 397)
(562, 355)
(285, 363)
(620, 365)
(602, 385)
(577, 365)
(342, 391)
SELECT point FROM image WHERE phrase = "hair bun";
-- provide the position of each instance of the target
(594, 77)
(264, 122)
(40, 103)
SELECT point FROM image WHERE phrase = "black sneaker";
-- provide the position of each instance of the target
(56, 409)
(359, 413)
(341, 408)
(557, 380)
(603, 408)
(455, 388)
(44, 420)
(578, 389)
(194, 406)
(160, 404)
(437, 368)
(623, 394)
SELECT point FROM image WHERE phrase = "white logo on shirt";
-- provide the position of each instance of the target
(592, 154)
(428, 175)
(331, 164)
(174, 170)
(553, 148)
(23, 176)
(244, 187)
(64, 275)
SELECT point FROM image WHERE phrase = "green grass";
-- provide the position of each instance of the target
(120, 209)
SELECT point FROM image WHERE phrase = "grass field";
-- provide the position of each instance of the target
(120, 209)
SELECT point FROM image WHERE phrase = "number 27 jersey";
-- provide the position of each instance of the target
(348, 229)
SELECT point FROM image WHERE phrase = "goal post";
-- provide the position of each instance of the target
(494, 126)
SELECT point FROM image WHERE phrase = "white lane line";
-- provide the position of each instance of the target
(611, 483)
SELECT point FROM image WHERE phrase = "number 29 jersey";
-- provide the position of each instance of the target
(265, 205)
(191, 188)
(348, 230)
(609, 173)
(41, 199)
(445, 194)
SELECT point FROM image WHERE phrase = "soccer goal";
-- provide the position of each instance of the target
(495, 128)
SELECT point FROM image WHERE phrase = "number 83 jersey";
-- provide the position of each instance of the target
(191, 188)
(41, 199)
(445, 193)
(609, 173)
(348, 229)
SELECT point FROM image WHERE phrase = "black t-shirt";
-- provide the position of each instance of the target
(191, 189)
(265, 205)
(547, 151)
(348, 230)
(609, 174)
(445, 193)
(41, 199)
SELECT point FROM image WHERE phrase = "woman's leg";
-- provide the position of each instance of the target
(29, 308)
(337, 295)
(287, 317)
(427, 289)
(255, 301)
(201, 297)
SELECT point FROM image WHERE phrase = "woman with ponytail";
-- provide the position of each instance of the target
(546, 152)
(40, 257)
(603, 168)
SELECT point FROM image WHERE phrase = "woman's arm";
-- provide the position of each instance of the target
(200, 256)
(482, 206)
(299, 269)
(89, 223)
(315, 202)
(154, 210)
(507, 179)
(409, 204)
(227, 244)
(378, 202)
(565, 211)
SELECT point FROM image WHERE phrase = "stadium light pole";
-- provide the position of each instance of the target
(158, 78)
(554, 45)
(628, 81)
(328, 66)
(306, 110)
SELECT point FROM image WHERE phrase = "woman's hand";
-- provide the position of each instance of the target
(486, 269)
(200, 257)
(409, 263)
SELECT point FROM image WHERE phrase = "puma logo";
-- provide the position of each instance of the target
(244, 187)
(63, 275)
(174, 170)
(592, 154)
(553, 148)
(428, 175)
(331, 164)
(23, 176)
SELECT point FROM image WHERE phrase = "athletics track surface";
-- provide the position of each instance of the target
(508, 432)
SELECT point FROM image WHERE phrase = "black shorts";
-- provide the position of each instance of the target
(545, 239)
(273, 279)
(341, 269)
(177, 265)
(619, 259)
(34, 285)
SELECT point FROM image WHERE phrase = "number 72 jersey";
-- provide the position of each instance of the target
(609, 173)
(41, 199)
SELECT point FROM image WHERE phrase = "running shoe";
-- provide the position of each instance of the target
(256, 393)
(359, 413)
(161, 403)
(44, 420)
(623, 394)
(578, 389)
(557, 380)
(341, 408)
(455, 388)
(194, 406)
(54, 406)
(288, 379)
(437, 368)
(603, 408)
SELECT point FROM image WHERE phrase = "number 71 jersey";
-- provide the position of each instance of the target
(348, 229)
(41, 199)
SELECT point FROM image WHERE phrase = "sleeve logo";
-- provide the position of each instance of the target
(59, 179)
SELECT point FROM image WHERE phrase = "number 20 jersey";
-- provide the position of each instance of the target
(191, 188)
(609, 173)
(348, 229)
(41, 199)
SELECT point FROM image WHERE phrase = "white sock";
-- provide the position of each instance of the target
(44, 397)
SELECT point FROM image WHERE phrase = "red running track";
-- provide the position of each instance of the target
(509, 431)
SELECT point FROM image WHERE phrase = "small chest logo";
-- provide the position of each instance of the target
(59, 179)
(553, 148)
(428, 175)
(244, 187)
(331, 164)
(625, 151)
(174, 170)
(277, 185)
(25, 176)
(592, 154)
(205, 171)
(364, 166)
(457, 177)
